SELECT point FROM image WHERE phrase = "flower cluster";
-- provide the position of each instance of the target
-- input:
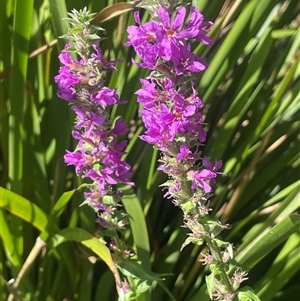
(161, 39)
(171, 112)
(98, 154)
(170, 104)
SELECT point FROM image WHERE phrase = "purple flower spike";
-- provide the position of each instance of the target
(98, 155)
(171, 113)
(170, 103)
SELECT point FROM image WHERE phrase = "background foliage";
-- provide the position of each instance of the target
(251, 92)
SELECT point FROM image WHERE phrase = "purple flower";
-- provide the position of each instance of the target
(172, 32)
(196, 25)
(155, 41)
(212, 167)
(64, 93)
(187, 60)
(184, 153)
(144, 39)
(79, 159)
(177, 30)
(120, 128)
(200, 178)
(101, 61)
(105, 97)
(165, 117)
(147, 95)
(67, 80)
(87, 120)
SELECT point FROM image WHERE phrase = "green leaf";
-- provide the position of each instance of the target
(246, 294)
(138, 225)
(210, 280)
(250, 20)
(284, 267)
(267, 241)
(89, 241)
(21, 35)
(242, 100)
(288, 206)
(62, 202)
(8, 242)
(59, 11)
(114, 10)
(24, 209)
(134, 268)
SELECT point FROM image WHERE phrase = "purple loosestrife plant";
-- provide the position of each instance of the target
(171, 112)
(99, 151)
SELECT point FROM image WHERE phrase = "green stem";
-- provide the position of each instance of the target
(215, 251)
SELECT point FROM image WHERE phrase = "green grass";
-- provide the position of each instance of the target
(251, 92)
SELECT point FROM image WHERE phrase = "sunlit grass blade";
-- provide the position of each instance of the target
(267, 241)
(91, 242)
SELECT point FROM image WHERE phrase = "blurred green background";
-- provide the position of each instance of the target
(251, 92)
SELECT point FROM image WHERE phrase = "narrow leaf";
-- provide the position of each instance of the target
(114, 10)
(62, 203)
(24, 209)
(138, 225)
(267, 241)
(91, 242)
